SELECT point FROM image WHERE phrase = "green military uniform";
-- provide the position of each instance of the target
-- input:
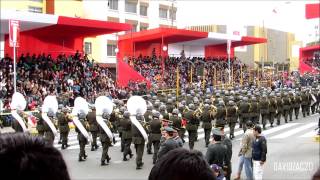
(139, 142)
(176, 123)
(231, 117)
(191, 127)
(286, 106)
(291, 98)
(304, 103)
(126, 136)
(148, 118)
(244, 113)
(221, 115)
(48, 134)
(272, 109)
(93, 128)
(264, 110)
(63, 124)
(279, 108)
(82, 140)
(119, 118)
(297, 104)
(155, 136)
(206, 119)
(254, 112)
(106, 143)
(40, 124)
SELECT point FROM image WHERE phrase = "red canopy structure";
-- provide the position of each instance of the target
(44, 33)
(307, 53)
(194, 43)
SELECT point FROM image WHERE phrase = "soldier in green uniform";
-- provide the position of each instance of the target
(314, 103)
(244, 112)
(138, 141)
(126, 135)
(63, 124)
(279, 108)
(264, 110)
(119, 119)
(155, 134)
(286, 106)
(221, 115)
(105, 141)
(176, 123)
(272, 109)
(206, 123)
(48, 134)
(81, 138)
(192, 127)
(148, 117)
(254, 114)
(93, 127)
(170, 105)
(304, 103)
(297, 104)
(15, 124)
(291, 98)
(231, 117)
(163, 112)
(40, 123)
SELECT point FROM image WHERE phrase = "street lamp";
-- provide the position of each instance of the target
(164, 48)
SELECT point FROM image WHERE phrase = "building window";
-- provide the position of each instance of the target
(173, 14)
(35, 9)
(163, 13)
(144, 10)
(87, 47)
(113, 4)
(40, 1)
(143, 27)
(111, 49)
(131, 6)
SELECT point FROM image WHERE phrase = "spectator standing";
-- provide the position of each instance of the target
(259, 152)
(169, 144)
(217, 152)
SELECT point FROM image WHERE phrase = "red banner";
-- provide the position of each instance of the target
(312, 11)
(14, 31)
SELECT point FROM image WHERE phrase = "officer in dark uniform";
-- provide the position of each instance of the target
(244, 112)
(168, 144)
(231, 117)
(221, 114)
(119, 119)
(93, 127)
(272, 109)
(206, 123)
(126, 135)
(279, 108)
(155, 134)
(40, 123)
(296, 104)
(192, 127)
(291, 98)
(304, 103)
(286, 106)
(105, 140)
(170, 105)
(163, 112)
(264, 110)
(217, 152)
(16, 125)
(48, 134)
(81, 138)
(63, 124)
(176, 123)
(148, 118)
(138, 141)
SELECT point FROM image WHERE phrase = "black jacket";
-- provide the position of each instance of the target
(259, 149)
(217, 154)
(167, 146)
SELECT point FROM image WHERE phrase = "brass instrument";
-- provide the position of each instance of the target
(213, 111)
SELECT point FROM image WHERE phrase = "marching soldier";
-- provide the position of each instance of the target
(15, 124)
(93, 128)
(244, 112)
(119, 119)
(148, 118)
(264, 110)
(126, 135)
(304, 103)
(177, 123)
(231, 117)
(138, 141)
(170, 105)
(272, 109)
(291, 98)
(105, 141)
(279, 110)
(163, 112)
(40, 123)
(206, 123)
(221, 114)
(63, 124)
(296, 104)
(286, 106)
(313, 94)
(81, 138)
(48, 134)
(155, 134)
(254, 113)
(192, 127)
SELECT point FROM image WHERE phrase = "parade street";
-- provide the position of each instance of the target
(293, 153)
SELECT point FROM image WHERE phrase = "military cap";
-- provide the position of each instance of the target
(149, 107)
(191, 106)
(175, 111)
(60, 106)
(217, 132)
(126, 114)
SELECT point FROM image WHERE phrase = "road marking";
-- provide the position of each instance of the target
(312, 133)
(278, 128)
(293, 131)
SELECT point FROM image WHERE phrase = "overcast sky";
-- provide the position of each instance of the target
(282, 15)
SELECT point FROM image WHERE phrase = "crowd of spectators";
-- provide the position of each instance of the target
(65, 76)
(313, 62)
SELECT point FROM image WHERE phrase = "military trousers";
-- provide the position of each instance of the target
(156, 146)
(271, 117)
(278, 116)
(181, 133)
(285, 114)
(304, 110)
(232, 125)
(139, 151)
(94, 138)
(64, 137)
(207, 133)
(127, 149)
(264, 118)
(149, 144)
(296, 112)
(313, 108)
(192, 138)
(105, 148)
(244, 122)
(255, 119)
(290, 114)
(82, 145)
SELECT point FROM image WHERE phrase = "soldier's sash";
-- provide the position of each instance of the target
(83, 131)
(139, 126)
(49, 122)
(19, 119)
(104, 126)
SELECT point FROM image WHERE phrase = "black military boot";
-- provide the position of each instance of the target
(103, 163)
(131, 155)
(59, 142)
(85, 156)
(92, 148)
(108, 159)
(80, 159)
(139, 166)
(149, 151)
(96, 146)
(63, 146)
(125, 158)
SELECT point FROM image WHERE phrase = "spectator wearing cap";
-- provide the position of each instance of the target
(227, 142)
(246, 152)
(259, 152)
(217, 152)
(169, 143)
(177, 137)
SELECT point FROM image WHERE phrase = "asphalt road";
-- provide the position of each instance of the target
(292, 154)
